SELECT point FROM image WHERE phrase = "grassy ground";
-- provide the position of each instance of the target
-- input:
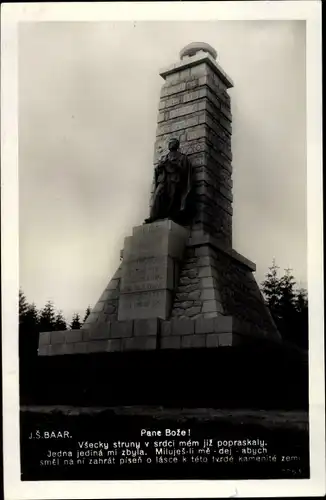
(272, 419)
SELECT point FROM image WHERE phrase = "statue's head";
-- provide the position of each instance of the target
(174, 144)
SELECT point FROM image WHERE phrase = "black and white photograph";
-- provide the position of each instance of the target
(165, 287)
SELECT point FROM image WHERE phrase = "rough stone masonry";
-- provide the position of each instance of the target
(182, 287)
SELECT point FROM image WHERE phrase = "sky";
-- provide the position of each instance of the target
(88, 105)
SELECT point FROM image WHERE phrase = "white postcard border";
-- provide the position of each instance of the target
(12, 14)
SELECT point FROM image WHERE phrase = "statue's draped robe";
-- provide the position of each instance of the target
(172, 185)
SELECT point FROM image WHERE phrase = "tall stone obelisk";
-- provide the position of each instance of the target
(195, 107)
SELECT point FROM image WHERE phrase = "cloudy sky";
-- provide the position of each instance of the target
(88, 102)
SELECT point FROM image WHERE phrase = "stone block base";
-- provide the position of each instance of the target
(199, 333)
(144, 335)
(113, 336)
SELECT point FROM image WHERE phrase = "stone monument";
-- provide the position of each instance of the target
(180, 284)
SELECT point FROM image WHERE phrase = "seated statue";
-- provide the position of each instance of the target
(172, 186)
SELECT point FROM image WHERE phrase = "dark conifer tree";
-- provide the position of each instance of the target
(31, 319)
(28, 315)
(28, 331)
(60, 322)
(302, 325)
(301, 300)
(23, 306)
(287, 310)
(288, 306)
(271, 288)
(288, 293)
(87, 313)
(47, 318)
(75, 323)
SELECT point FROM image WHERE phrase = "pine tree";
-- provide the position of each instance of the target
(287, 309)
(23, 306)
(60, 322)
(31, 320)
(75, 323)
(271, 288)
(28, 332)
(302, 323)
(288, 306)
(28, 315)
(287, 286)
(301, 300)
(47, 318)
(87, 313)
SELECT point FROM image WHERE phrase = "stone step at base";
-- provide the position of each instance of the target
(144, 335)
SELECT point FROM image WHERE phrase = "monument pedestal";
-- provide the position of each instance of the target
(171, 292)
(150, 270)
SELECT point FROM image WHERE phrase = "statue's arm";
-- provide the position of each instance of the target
(159, 167)
(156, 173)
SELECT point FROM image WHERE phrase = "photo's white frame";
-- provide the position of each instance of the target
(12, 14)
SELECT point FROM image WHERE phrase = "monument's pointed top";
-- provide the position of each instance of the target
(192, 48)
